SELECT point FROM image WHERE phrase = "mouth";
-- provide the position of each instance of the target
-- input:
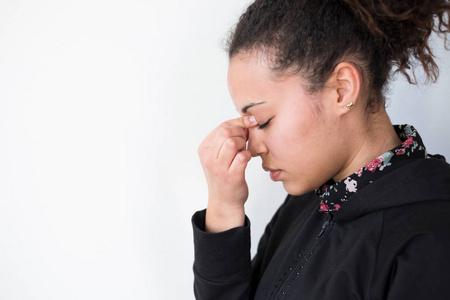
(274, 173)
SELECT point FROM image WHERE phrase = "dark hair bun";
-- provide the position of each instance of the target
(312, 36)
(406, 27)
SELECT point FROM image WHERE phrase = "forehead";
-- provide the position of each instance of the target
(251, 80)
(248, 66)
(248, 80)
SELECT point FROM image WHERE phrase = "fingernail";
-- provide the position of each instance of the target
(252, 120)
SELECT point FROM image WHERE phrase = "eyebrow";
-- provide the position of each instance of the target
(246, 108)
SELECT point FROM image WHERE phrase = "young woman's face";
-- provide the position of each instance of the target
(299, 143)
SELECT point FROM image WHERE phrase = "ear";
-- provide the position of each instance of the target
(347, 83)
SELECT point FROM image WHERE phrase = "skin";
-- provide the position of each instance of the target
(308, 140)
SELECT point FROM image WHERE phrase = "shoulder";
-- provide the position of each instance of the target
(417, 230)
(424, 217)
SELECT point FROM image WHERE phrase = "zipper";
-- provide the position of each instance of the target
(324, 228)
(299, 266)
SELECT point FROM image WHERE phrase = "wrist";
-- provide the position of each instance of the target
(220, 217)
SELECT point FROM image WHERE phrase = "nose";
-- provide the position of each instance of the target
(256, 145)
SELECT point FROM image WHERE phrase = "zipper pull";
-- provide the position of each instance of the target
(324, 227)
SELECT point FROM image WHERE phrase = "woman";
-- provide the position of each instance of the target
(367, 211)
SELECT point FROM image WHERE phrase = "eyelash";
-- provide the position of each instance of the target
(262, 126)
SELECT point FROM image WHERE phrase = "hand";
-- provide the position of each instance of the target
(224, 157)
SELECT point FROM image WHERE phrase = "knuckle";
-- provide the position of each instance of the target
(200, 150)
(225, 132)
(232, 143)
(227, 123)
(240, 157)
(243, 156)
(208, 164)
(242, 143)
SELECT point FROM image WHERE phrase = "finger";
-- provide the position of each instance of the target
(214, 142)
(225, 132)
(249, 121)
(244, 121)
(218, 138)
(229, 129)
(229, 150)
(240, 162)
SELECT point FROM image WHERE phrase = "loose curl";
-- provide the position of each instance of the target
(313, 36)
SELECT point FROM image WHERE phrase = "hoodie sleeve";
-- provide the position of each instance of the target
(222, 266)
(421, 269)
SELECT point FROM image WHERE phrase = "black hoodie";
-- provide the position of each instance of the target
(391, 241)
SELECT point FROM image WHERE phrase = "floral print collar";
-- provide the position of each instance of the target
(334, 194)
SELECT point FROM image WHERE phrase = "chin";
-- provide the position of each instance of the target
(297, 189)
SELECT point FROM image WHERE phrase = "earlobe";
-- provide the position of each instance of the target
(348, 84)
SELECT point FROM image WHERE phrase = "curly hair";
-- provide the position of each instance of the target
(380, 37)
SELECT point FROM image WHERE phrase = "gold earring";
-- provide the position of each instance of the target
(350, 105)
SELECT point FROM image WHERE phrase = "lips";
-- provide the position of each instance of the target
(274, 173)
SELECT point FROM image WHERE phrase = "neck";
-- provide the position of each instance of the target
(373, 137)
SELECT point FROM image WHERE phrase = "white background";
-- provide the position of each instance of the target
(102, 107)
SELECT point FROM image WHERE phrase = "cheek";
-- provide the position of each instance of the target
(295, 135)
(296, 145)
(283, 143)
(292, 135)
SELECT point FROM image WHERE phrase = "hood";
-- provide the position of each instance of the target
(415, 181)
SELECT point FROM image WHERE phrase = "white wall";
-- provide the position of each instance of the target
(102, 107)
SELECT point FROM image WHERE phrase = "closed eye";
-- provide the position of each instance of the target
(262, 126)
